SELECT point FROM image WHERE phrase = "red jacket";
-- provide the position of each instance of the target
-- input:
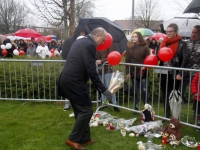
(195, 86)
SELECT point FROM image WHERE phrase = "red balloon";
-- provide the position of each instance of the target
(165, 54)
(4, 52)
(106, 44)
(153, 51)
(114, 58)
(21, 52)
(151, 60)
(49, 38)
(52, 51)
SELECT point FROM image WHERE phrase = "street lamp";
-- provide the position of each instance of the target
(133, 15)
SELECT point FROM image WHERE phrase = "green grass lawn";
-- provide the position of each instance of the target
(45, 126)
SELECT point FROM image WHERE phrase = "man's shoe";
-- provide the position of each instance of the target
(66, 107)
(76, 146)
(89, 143)
(116, 109)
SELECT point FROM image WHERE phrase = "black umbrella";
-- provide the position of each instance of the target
(119, 38)
(193, 7)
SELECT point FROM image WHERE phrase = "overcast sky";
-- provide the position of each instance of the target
(122, 9)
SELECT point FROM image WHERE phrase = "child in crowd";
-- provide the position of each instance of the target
(195, 89)
(31, 51)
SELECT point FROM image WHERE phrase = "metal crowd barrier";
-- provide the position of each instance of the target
(35, 80)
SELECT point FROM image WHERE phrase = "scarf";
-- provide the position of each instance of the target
(173, 43)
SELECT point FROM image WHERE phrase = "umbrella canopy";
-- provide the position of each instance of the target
(193, 7)
(185, 24)
(38, 39)
(158, 35)
(144, 32)
(27, 33)
(175, 102)
(53, 37)
(119, 38)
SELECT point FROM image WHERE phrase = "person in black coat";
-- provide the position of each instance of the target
(79, 67)
(22, 45)
(80, 30)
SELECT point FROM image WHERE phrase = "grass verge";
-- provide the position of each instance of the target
(45, 126)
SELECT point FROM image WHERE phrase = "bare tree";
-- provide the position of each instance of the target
(13, 15)
(147, 13)
(82, 9)
(66, 12)
(180, 5)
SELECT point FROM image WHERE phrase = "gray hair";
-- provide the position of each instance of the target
(101, 31)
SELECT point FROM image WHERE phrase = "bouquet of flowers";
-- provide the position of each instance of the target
(116, 82)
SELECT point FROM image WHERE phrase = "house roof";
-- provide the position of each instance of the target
(127, 24)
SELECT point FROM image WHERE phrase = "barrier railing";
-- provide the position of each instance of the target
(35, 80)
(126, 98)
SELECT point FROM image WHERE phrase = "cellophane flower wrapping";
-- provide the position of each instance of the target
(116, 82)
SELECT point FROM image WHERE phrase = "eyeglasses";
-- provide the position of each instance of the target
(169, 31)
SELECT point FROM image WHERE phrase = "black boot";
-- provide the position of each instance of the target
(116, 109)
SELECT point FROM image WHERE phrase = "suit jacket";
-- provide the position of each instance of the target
(79, 67)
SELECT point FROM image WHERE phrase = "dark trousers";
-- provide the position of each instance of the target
(168, 84)
(81, 130)
(140, 85)
(196, 107)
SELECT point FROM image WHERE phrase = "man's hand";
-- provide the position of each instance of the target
(195, 95)
(178, 77)
(98, 62)
(108, 95)
(128, 76)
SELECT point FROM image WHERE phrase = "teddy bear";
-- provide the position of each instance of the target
(172, 130)
(147, 114)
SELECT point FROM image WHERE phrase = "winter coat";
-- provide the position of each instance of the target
(31, 50)
(41, 50)
(191, 57)
(102, 55)
(53, 46)
(195, 86)
(22, 46)
(79, 67)
(177, 59)
(136, 54)
(69, 41)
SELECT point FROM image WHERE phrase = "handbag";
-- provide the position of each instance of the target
(175, 102)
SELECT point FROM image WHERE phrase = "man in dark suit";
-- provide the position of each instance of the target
(79, 31)
(79, 67)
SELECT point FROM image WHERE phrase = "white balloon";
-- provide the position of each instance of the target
(8, 45)
(3, 47)
(50, 54)
(16, 52)
(56, 52)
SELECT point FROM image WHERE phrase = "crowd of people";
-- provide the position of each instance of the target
(31, 47)
(82, 61)
(80, 66)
